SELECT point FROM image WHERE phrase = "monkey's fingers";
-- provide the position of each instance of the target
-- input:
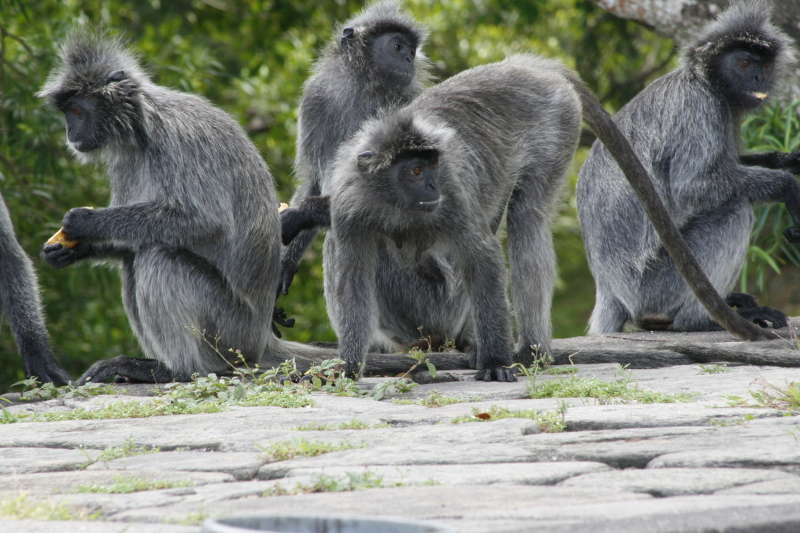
(792, 234)
(500, 373)
(742, 300)
(763, 316)
(791, 162)
(58, 256)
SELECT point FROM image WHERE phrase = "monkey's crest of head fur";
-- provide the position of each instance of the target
(375, 20)
(746, 23)
(87, 59)
(395, 136)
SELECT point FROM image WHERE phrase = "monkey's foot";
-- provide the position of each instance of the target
(279, 319)
(742, 300)
(763, 316)
(129, 368)
(47, 370)
(499, 373)
(792, 234)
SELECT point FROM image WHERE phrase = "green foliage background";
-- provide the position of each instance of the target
(251, 57)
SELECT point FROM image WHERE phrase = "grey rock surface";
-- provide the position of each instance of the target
(715, 461)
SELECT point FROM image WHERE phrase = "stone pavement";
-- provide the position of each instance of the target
(693, 466)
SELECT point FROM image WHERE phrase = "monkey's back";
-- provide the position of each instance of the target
(200, 160)
(506, 116)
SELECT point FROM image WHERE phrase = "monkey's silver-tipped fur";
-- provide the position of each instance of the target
(20, 303)
(504, 135)
(685, 129)
(192, 221)
(348, 86)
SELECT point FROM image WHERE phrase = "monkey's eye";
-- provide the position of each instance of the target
(745, 63)
(433, 165)
(75, 111)
(416, 171)
(767, 64)
(398, 46)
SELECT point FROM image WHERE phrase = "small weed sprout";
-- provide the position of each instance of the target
(549, 421)
(321, 483)
(289, 449)
(713, 369)
(33, 389)
(22, 508)
(620, 391)
(770, 396)
(128, 484)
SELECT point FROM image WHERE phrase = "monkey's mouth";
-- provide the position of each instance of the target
(427, 206)
(758, 95)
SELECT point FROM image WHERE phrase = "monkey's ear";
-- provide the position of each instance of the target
(363, 160)
(347, 34)
(118, 75)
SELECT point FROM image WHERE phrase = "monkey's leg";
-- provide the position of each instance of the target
(532, 263)
(608, 315)
(719, 240)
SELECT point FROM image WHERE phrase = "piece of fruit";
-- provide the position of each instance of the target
(59, 238)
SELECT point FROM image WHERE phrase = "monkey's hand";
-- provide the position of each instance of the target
(498, 373)
(279, 319)
(763, 316)
(742, 300)
(58, 256)
(792, 234)
(293, 221)
(791, 162)
(78, 224)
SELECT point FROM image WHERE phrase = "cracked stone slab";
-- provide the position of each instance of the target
(68, 482)
(240, 465)
(779, 486)
(475, 474)
(420, 454)
(426, 502)
(784, 457)
(510, 508)
(49, 526)
(676, 481)
(636, 448)
(30, 460)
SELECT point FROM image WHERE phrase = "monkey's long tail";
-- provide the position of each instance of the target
(642, 184)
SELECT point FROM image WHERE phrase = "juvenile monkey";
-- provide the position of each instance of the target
(685, 129)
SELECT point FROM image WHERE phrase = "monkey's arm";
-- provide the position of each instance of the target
(483, 271)
(20, 303)
(790, 162)
(355, 295)
(762, 185)
(302, 239)
(312, 212)
(143, 223)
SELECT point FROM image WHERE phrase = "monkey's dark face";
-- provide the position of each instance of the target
(392, 55)
(416, 179)
(81, 115)
(745, 77)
